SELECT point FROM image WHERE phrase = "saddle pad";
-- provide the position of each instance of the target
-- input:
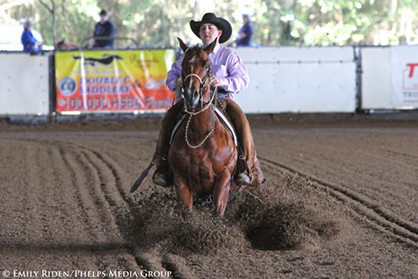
(221, 117)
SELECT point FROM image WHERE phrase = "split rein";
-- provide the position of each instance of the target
(203, 84)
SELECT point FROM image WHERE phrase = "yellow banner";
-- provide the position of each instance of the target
(113, 80)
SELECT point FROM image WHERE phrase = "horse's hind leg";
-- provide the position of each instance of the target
(221, 191)
(183, 194)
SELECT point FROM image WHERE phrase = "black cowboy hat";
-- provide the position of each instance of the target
(219, 22)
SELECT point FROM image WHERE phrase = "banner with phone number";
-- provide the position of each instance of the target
(404, 73)
(113, 80)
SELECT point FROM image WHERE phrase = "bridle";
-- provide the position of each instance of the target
(203, 83)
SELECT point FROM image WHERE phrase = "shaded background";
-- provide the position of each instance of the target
(157, 23)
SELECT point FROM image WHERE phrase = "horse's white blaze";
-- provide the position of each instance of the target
(191, 81)
(192, 60)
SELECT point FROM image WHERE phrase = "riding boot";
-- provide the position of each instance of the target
(241, 177)
(252, 171)
(161, 175)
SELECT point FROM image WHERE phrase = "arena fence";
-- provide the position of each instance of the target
(282, 79)
(113, 81)
(390, 77)
(24, 84)
(299, 79)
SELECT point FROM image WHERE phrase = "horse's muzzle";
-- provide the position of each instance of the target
(191, 97)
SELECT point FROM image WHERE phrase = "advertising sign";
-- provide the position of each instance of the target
(113, 80)
(404, 66)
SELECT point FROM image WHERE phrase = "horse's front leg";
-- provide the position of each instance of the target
(183, 193)
(221, 191)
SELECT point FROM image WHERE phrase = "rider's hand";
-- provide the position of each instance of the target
(215, 81)
(179, 82)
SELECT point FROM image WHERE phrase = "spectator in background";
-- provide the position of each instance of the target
(30, 44)
(104, 28)
(245, 34)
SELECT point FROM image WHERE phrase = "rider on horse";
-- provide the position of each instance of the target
(230, 76)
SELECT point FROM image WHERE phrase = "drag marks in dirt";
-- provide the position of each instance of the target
(158, 224)
(42, 166)
(408, 160)
(85, 197)
(305, 229)
(35, 222)
(95, 203)
(150, 232)
(98, 183)
(106, 176)
(116, 174)
(378, 217)
(283, 222)
(357, 162)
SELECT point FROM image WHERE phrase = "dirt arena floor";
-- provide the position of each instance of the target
(340, 201)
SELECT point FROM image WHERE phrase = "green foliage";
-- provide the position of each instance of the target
(157, 23)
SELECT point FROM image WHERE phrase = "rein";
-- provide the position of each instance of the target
(203, 84)
(192, 113)
(196, 76)
(186, 137)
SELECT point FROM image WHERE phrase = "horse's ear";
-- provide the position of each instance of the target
(182, 45)
(209, 49)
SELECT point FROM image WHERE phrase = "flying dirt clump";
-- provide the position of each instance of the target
(290, 226)
(159, 221)
(285, 222)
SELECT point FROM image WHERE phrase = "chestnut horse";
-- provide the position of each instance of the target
(203, 154)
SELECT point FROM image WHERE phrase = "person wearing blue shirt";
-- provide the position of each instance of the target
(30, 44)
(246, 32)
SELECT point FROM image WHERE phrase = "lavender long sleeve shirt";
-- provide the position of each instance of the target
(226, 64)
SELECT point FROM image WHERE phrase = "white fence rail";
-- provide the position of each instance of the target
(390, 77)
(376, 88)
(24, 84)
(282, 79)
(299, 79)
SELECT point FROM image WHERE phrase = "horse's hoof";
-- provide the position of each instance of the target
(242, 179)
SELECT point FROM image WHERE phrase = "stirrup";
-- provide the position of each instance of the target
(160, 180)
(242, 179)
(243, 176)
